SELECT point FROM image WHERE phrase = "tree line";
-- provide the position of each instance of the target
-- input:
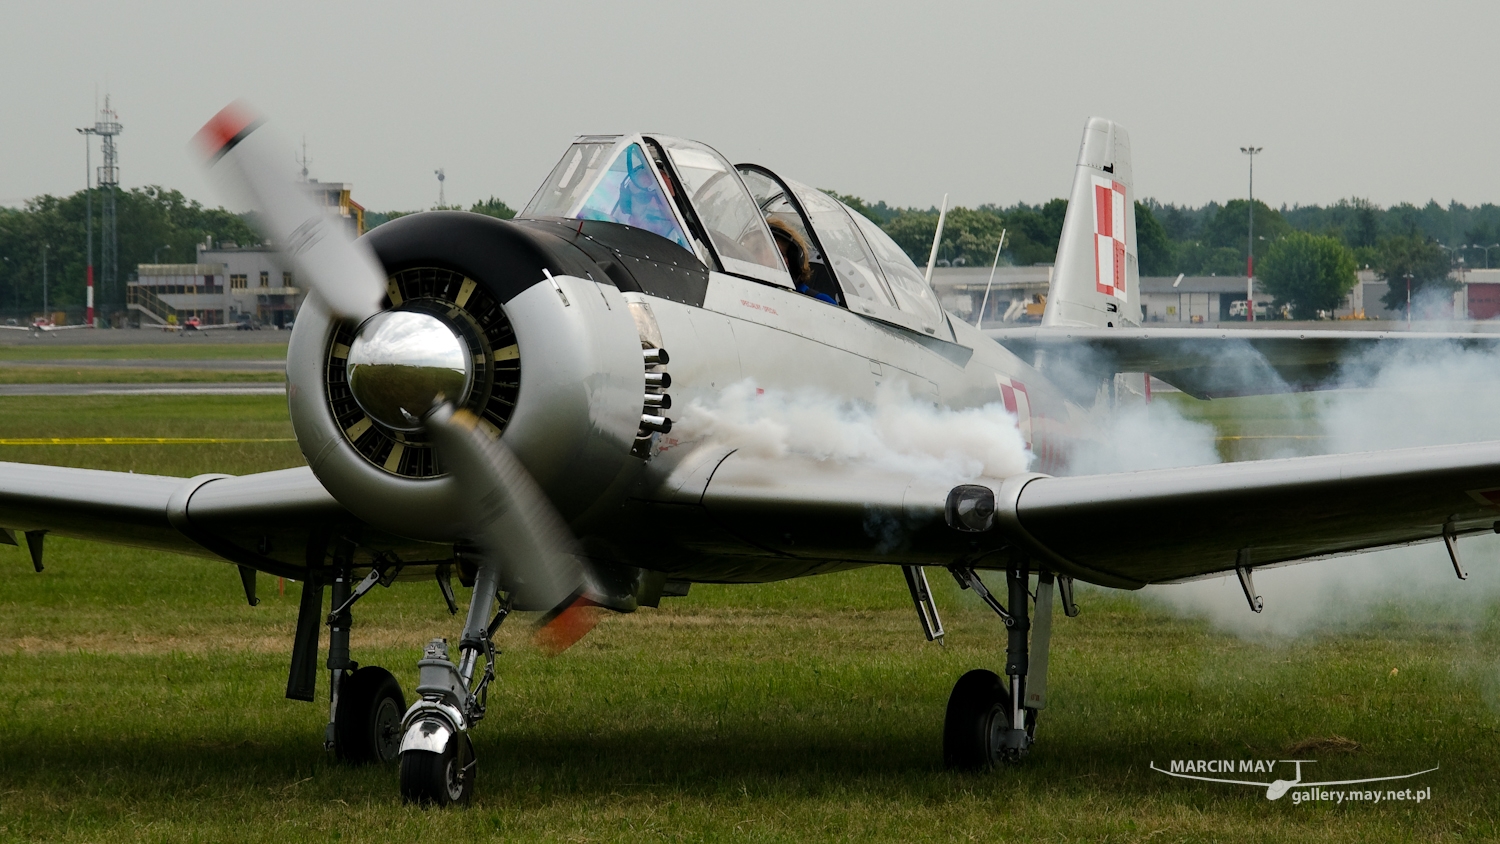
(1306, 256)
(155, 225)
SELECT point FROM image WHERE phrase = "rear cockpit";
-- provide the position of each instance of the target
(744, 220)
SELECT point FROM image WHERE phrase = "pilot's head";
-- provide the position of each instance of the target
(793, 249)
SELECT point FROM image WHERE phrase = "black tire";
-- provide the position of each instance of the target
(439, 779)
(978, 717)
(367, 725)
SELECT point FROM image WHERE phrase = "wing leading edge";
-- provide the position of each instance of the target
(264, 520)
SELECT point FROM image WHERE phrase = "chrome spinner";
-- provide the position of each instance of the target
(402, 361)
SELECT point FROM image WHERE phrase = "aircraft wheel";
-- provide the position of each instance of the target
(367, 725)
(440, 779)
(978, 717)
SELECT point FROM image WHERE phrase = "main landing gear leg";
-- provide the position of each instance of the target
(987, 723)
(437, 757)
(364, 704)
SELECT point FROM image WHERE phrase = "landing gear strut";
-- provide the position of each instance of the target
(437, 757)
(364, 704)
(989, 722)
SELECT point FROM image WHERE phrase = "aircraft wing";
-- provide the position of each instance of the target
(64, 327)
(264, 521)
(1175, 524)
(1122, 530)
(1220, 362)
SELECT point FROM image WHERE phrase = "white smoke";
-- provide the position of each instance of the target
(1340, 593)
(1410, 398)
(898, 432)
(1388, 399)
(1395, 397)
(1145, 436)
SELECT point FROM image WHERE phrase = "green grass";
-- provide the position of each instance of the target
(140, 699)
(229, 417)
(130, 375)
(186, 348)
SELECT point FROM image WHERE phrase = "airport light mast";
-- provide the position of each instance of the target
(88, 189)
(1250, 247)
(107, 127)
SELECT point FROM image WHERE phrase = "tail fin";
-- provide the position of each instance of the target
(1096, 282)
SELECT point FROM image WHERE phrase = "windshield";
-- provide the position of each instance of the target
(913, 294)
(629, 193)
(723, 206)
(569, 180)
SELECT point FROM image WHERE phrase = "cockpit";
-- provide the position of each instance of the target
(742, 220)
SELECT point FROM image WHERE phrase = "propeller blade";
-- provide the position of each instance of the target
(515, 527)
(251, 165)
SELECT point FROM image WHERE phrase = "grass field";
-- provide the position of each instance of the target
(142, 700)
(130, 375)
(67, 364)
(183, 349)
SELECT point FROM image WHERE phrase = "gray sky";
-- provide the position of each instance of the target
(893, 101)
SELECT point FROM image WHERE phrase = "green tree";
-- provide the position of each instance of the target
(1035, 231)
(1152, 245)
(493, 207)
(969, 235)
(1198, 258)
(1228, 229)
(912, 231)
(1308, 272)
(864, 208)
(155, 225)
(1415, 256)
(380, 218)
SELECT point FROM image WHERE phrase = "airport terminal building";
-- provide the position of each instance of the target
(1019, 295)
(230, 283)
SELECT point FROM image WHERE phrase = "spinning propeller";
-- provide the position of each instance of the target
(411, 371)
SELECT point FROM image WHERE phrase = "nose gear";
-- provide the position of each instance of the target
(437, 757)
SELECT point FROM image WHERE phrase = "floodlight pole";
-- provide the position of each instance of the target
(45, 247)
(1250, 247)
(88, 189)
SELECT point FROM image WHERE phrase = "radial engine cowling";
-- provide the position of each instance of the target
(472, 315)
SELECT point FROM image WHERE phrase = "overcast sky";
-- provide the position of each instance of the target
(895, 101)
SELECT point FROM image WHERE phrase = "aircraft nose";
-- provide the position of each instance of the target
(1278, 788)
(401, 362)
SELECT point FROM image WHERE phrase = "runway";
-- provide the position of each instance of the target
(184, 389)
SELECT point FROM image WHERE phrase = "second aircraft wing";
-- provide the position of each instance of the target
(1220, 362)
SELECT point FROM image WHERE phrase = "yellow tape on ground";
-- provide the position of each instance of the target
(138, 440)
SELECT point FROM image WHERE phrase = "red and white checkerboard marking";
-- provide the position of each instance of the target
(1109, 237)
(1018, 402)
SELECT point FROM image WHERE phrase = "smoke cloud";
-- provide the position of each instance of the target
(1145, 436)
(1392, 397)
(897, 432)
